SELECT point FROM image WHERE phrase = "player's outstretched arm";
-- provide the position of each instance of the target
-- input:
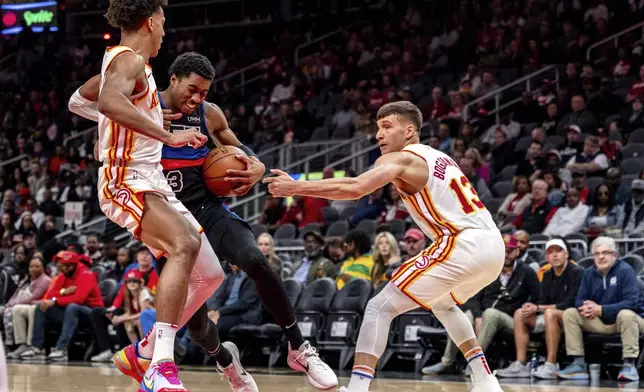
(386, 169)
(114, 99)
(84, 101)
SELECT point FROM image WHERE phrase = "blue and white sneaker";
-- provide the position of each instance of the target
(574, 372)
(162, 376)
(628, 373)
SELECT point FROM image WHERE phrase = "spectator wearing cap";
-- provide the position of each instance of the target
(574, 144)
(492, 309)
(415, 242)
(557, 293)
(538, 214)
(68, 303)
(235, 302)
(604, 215)
(605, 103)
(631, 213)
(614, 181)
(306, 271)
(359, 263)
(570, 218)
(125, 319)
(591, 161)
(608, 302)
(579, 116)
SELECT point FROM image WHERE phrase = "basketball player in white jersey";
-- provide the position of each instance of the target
(466, 255)
(134, 193)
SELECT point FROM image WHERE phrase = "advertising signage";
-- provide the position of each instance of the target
(36, 15)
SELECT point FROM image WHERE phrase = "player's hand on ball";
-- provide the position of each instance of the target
(192, 137)
(282, 185)
(249, 177)
(168, 117)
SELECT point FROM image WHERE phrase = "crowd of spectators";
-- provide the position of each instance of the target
(564, 160)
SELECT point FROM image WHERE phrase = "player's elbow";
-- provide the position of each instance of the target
(355, 190)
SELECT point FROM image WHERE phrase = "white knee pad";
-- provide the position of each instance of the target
(206, 276)
(456, 323)
(381, 310)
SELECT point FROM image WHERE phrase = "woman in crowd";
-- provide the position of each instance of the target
(603, 216)
(266, 245)
(556, 188)
(515, 202)
(480, 167)
(18, 315)
(386, 253)
(123, 260)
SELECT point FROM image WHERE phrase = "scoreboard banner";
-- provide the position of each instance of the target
(37, 15)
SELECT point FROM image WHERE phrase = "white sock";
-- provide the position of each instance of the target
(476, 359)
(361, 377)
(145, 348)
(164, 344)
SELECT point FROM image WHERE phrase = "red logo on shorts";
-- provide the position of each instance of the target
(422, 263)
(123, 196)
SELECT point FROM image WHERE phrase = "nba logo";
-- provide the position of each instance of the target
(422, 262)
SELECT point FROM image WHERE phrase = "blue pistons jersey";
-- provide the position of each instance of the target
(182, 165)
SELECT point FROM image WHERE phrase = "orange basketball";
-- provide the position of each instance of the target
(214, 169)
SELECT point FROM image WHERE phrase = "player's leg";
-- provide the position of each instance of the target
(235, 242)
(553, 319)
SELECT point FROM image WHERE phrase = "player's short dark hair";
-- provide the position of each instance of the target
(192, 62)
(130, 14)
(405, 109)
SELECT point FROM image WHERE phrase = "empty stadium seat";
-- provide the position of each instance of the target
(286, 231)
(313, 306)
(397, 227)
(367, 226)
(594, 182)
(507, 173)
(109, 288)
(100, 272)
(344, 320)
(631, 165)
(338, 229)
(330, 215)
(587, 261)
(493, 204)
(403, 338)
(502, 188)
(633, 150)
(348, 213)
(258, 229)
(635, 261)
(637, 136)
(523, 144)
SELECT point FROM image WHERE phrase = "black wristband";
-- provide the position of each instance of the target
(247, 150)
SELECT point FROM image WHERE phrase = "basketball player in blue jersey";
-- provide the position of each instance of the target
(185, 107)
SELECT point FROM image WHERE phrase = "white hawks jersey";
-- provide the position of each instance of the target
(118, 146)
(448, 203)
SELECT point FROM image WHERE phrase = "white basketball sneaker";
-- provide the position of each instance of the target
(489, 384)
(238, 378)
(307, 360)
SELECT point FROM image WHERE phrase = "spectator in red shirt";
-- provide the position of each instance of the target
(304, 210)
(637, 88)
(579, 182)
(438, 108)
(68, 303)
(146, 268)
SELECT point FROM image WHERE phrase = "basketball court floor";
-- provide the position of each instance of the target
(103, 378)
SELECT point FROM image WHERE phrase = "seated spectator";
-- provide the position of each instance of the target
(18, 313)
(551, 118)
(515, 202)
(415, 242)
(637, 88)
(307, 270)
(633, 116)
(93, 248)
(614, 181)
(591, 161)
(480, 167)
(385, 254)
(137, 299)
(558, 290)
(371, 207)
(579, 181)
(68, 303)
(533, 160)
(334, 251)
(110, 253)
(538, 214)
(604, 215)
(579, 116)
(360, 262)
(304, 210)
(610, 144)
(555, 187)
(631, 213)
(523, 243)
(145, 266)
(574, 145)
(569, 218)
(553, 164)
(123, 260)
(395, 207)
(273, 212)
(266, 245)
(493, 307)
(481, 188)
(605, 308)
(235, 302)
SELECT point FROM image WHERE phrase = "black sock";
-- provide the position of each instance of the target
(224, 357)
(294, 336)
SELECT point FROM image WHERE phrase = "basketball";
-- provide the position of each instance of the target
(214, 169)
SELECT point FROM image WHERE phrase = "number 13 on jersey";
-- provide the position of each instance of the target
(469, 204)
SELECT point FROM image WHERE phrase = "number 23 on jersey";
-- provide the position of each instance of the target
(469, 203)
